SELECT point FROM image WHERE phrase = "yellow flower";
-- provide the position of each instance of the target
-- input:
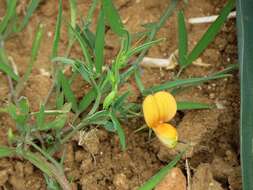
(159, 108)
(167, 134)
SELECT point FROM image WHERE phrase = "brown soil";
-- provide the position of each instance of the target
(99, 164)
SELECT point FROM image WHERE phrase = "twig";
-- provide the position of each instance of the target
(208, 19)
(188, 172)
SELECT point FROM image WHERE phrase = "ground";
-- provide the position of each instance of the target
(99, 164)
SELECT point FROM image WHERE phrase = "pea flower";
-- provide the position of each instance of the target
(158, 109)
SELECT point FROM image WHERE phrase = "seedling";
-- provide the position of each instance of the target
(38, 138)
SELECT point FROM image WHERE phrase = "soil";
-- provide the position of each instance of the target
(98, 163)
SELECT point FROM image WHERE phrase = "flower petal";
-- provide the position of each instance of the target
(150, 111)
(167, 134)
(167, 106)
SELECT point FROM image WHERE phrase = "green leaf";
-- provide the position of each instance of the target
(120, 100)
(60, 100)
(59, 121)
(37, 161)
(31, 8)
(77, 65)
(84, 47)
(113, 18)
(4, 65)
(6, 151)
(40, 117)
(57, 124)
(68, 93)
(210, 34)
(23, 105)
(152, 182)
(109, 99)
(245, 46)
(138, 80)
(142, 47)
(183, 82)
(34, 53)
(88, 37)
(120, 131)
(182, 39)
(192, 106)
(100, 42)
(57, 30)
(10, 13)
(91, 11)
(87, 99)
(73, 13)
(109, 126)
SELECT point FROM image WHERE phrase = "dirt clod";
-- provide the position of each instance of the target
(203, 179)
(174, 180)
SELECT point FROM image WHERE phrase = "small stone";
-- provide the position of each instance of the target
(203, 179)
(17, 183)
(28, 168)
(121, 182)
(87, 165)
(212, 95)
(3, 177)
(19, 169)
(174, 180)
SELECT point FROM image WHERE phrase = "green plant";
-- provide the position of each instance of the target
(41, 134)
(245, 29)
(10, 25)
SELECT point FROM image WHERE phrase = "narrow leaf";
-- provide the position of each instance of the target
(10, 12)
(31, 8)
(5, 67)
(100, 42)
(68, 93)
(210, 33)
(152, 182)
(120, 131)
(182, 39)
(6, 151)
(182, 82)
(245, 46)
(192, 106)
(57, 30)
(113, 18)
(87, 100)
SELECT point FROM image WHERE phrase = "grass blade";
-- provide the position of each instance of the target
(192, 106)
(100, 42)
(11, 11)
(152, 182)
(35, 50)
(87, 99)
(31, 8)
(68, 93)
(4, 66)
(113, 18)
(182, 39)
(91, 11)
(6, 151)
(120, 131)
(210, 33)
(245, 30)
(57, 30)
(182, 82)
(84, 47)
(142, 47)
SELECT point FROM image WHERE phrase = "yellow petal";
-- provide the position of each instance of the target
(150, 111)
(167, 134)
(167, 106)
